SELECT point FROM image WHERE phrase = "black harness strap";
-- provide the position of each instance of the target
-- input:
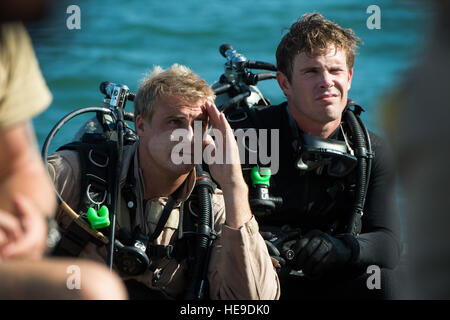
(159, 251)
(97, 161)
(165, 214)
(95, 183)
(177, 251)
(129, 193)
(73, 240)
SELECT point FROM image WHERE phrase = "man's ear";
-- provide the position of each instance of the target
(140, 125)
(350, 77)
(283, 82)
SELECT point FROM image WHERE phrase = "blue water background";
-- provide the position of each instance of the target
(120, 41)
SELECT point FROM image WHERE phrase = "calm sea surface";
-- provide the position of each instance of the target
(120, 41)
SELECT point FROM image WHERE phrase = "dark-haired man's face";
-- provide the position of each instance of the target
(317, 92)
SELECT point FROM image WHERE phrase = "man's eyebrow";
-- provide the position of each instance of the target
(184, 117)
(175, 116)
(310, 68)
(315, 68)
(337, 65)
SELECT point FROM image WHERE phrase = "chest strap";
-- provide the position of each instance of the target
(129, 193)
(177, 251)
(74, 239)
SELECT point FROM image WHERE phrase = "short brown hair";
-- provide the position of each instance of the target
(313, 34)
(178, 80)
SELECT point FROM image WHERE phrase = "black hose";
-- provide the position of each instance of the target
(205, 189)
(369, 149)
(252, 79)
(204, 200)
(63, 121)
(265, 76)
(234, 101)
(222, 89)
(251, 64)
(354, 223)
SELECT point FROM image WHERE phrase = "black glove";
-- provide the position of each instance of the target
(278, 244)
(272, 248)
(317, 253)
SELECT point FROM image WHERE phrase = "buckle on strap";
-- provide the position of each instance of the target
(161, 251)
(101, 165)
(98, 183)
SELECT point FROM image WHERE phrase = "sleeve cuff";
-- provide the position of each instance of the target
(352, 243)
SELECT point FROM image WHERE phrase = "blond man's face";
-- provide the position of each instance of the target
(156, 135)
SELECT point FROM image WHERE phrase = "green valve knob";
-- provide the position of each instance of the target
(260, 176)
(100, 219)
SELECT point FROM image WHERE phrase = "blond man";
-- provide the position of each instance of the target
(239, 266)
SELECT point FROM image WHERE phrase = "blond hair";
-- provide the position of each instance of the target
(313, 34)
(178, 81)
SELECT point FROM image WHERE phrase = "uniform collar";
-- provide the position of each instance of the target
(186, 187)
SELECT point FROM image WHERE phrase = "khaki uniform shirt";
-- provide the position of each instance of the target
(23, 92)
(240, 266)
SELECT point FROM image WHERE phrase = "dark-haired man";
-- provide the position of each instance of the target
(320, 185)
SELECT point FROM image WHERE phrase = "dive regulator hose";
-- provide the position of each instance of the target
(205, 190)
(363, 151)
(62, 122)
